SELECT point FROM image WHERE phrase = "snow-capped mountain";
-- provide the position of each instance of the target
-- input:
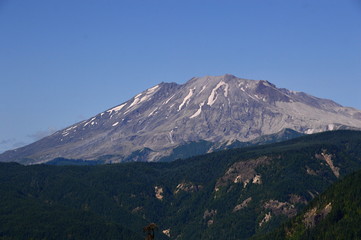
(220, 109)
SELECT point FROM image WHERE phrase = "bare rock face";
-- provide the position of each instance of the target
(315, 215)
(243, 172)
(279, 208)
(265, 219)
(209, 215)
(328, 158)
(242, 205)
(220, 109)
(158, 192)
(187, 187)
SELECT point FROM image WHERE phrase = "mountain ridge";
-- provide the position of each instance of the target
(217, 109)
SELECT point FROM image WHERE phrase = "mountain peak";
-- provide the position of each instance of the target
(228, 77)
(215, 79)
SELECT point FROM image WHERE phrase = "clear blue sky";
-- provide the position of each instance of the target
(63, 61)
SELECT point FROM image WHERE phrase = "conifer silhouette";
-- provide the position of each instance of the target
(149, 229)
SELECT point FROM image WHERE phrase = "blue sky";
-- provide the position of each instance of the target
(64, 61)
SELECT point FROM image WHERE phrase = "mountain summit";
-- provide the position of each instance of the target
(220, 109)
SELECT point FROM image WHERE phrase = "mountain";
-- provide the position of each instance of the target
(231, 194)
(218, 110)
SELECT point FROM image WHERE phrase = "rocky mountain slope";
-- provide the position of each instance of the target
(219, 110)
(233, 194)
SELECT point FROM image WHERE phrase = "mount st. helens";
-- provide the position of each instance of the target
(219, 110)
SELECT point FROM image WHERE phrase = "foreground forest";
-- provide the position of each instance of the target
(233, 194)
(335, 214)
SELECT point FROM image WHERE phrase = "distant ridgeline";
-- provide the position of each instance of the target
(78, 162)
(232, 194)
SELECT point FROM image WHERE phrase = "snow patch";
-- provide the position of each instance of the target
(310, 131)
(196, 114)
(147, 95)
(153, 89)
(230, 141)
(150, 114)
(186, 99)
(91, 120)
(204, 87)
(331, 127)
(135, 101)
(213, 97)
(71, 128)
(145, 98)
(117, 108)
(171, 136)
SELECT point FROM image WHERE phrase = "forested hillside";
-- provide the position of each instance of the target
(231, 194)
(335, 214)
